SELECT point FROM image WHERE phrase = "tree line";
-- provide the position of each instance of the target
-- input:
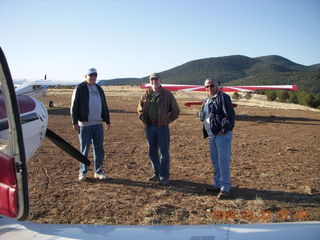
(297, 97)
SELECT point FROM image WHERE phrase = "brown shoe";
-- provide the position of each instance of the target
(213, 189)
(224, 195)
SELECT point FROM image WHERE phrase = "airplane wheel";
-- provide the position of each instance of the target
(51, 104)
(248, 96)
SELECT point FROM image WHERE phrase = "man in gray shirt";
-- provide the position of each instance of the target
(88, 111)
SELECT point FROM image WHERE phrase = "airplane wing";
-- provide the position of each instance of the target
(178, 87)
(39, 88)
(200, 88)
(46, 82)
(255, 88)
(13, 229)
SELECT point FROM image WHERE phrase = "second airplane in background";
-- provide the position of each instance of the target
(201, 88)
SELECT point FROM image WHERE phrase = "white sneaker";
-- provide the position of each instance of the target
(100, 176)
(82, 177)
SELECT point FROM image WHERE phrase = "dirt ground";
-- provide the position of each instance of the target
(275, 169)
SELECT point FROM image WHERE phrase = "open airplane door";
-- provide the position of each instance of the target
(14, 198)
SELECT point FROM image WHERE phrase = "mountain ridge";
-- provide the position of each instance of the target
(240, 70)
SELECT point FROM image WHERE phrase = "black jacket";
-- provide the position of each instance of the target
(221, 114)
(80, 104)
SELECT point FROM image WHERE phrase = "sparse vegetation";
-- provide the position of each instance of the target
(283, 96)
(298, 97)
(235, 96)
(271, 95)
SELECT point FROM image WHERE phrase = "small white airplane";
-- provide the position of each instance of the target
(17, 145)
(34, 89)
(201, 88)
(39, 88)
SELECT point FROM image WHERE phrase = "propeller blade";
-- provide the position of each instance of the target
(65, 146)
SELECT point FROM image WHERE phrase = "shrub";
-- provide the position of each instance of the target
(316, 101)
(306, 99)
(271, 95)
(235, 95)
(283, 96)
(293, 98)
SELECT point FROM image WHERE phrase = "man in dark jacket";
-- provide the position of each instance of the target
(218, 118)
(88, 110)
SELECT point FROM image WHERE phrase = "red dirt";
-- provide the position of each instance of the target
(275, 171)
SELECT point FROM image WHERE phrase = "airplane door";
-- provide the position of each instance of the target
(14, 198)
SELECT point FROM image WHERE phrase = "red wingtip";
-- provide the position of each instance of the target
(143, 85)
(189, 104)
(294, 87)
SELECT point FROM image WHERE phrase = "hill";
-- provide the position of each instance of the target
(316, 66)
(117, 81)
(241, 70)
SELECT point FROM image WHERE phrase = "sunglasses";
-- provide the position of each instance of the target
(93, 75)
(210, 86)
(154, 79)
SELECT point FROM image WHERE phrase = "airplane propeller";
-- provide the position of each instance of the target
(65, 146)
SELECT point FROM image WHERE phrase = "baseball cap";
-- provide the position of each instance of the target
(154, 75)
(208, 82)
(91, 71)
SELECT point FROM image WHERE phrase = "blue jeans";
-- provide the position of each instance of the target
(220, 150)
(158, 149)
(87, 135)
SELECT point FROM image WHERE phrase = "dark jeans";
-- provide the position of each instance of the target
(158, 147)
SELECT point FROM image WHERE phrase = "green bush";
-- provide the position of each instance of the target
(297, 97)
(283, 96)
(316, 101)
(235, 96)
(293, 97)
(308, 99)
(271, 95)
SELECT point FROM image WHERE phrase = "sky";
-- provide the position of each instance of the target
(133, 38)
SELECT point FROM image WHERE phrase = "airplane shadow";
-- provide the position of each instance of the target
(66, 111)
(59, 111)
(258, 119)
(281, 196)
(121, 111)
(278, 119)
(199, 189)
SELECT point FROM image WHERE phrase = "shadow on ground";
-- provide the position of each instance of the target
(200, 190)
